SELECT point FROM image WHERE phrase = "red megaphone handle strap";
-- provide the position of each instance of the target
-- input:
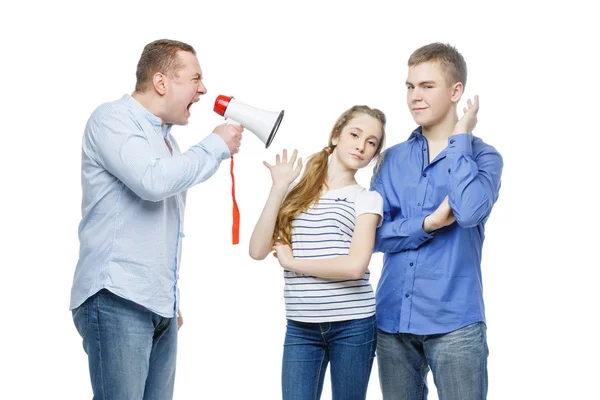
(235, 229)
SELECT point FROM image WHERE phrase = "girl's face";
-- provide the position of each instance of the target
(358, 141)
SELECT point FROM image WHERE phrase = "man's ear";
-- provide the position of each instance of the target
(160, 83)
(457, 92)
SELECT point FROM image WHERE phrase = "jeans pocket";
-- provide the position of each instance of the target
(80, 319)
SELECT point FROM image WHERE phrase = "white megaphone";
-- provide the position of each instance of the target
(263, 124)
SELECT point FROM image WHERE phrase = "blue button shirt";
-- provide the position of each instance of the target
(431, 283)
(133, 205)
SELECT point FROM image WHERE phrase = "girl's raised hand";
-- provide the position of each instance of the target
(283, 172)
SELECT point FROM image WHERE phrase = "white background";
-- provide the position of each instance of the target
(533, 65)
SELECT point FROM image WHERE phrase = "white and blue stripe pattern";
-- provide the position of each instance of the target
(324, 231)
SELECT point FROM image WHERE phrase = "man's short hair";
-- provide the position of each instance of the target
(159, 56)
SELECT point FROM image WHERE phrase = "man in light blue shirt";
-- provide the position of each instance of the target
(439, 187)
(124, 297)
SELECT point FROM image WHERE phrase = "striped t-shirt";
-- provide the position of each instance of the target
(323, 231)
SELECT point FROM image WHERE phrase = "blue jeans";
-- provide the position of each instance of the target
(309, 347)
(458, 361)
(131, 350)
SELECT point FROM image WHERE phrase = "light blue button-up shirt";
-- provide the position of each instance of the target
(431, 283)
(133, 205)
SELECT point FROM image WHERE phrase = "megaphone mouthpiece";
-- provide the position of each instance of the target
(221, 104)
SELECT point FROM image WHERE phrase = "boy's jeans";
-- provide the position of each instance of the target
(458, 361)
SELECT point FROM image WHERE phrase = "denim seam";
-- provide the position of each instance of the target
(83, 308)
(423, 378)
(483, 367)
(374, 337)
(316, 394)
(87, 320)
(99, 346)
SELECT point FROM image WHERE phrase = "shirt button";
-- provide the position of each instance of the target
(411, 264)
(424, 175)
(424, 148)
(448, 170)
(406, 295)
(451, 141)
(418, 204)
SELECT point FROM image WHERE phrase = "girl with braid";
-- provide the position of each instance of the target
(322, 231)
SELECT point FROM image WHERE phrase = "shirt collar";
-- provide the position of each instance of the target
(166, 129)
(417, 133)
(143, 112)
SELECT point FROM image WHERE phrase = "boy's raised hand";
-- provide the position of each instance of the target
(468, 121)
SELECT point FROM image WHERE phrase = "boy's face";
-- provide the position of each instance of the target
(428, 95)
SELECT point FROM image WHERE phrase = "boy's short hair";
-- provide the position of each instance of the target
(452, 63)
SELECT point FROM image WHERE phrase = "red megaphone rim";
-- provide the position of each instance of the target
(221, 104)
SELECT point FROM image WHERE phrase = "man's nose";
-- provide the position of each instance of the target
(202, 88)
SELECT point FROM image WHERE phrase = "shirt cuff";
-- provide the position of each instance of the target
(215, 145)
(415, 229)
(460, 143)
